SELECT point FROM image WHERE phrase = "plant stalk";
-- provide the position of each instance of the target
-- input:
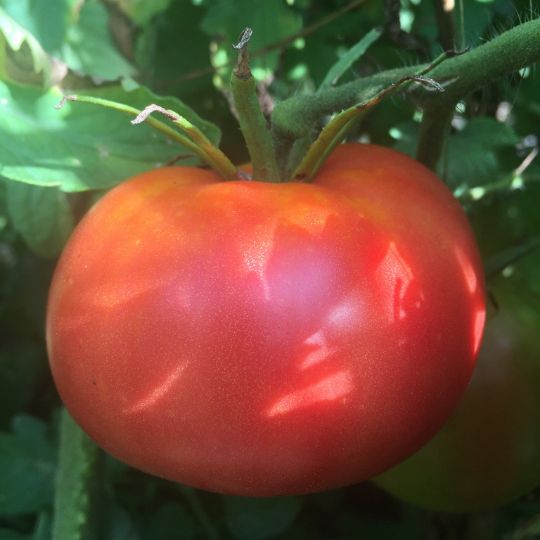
(516, 48)
(200, 145)
(77, 484)
(252, 121)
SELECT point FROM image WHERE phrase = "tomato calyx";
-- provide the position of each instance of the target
(190, 136)
(252, 121)
(261, 142)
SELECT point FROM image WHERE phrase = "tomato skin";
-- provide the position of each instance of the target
(488, 452)
(268, 339)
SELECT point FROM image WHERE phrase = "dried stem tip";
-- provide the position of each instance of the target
(242, 70)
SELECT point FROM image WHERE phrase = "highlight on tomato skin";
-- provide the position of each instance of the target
(268, 339)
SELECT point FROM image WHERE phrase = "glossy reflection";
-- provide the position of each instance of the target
(478, 304)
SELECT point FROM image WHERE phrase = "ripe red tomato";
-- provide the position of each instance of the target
(267, 339)
(489, 451)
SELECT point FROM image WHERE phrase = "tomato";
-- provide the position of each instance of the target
(489, 451)
(267, 339)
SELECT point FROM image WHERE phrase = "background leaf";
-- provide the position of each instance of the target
(41, 215)
(22, 57)
(27, 465)
(473, 153)
(260, 519)
(88, 48)
(76, 484)
(74, 32)
(348, 59)
(20, 370)
(142, 11)
(169, 522)
(7, 534)
(83, 146)
(271, 21)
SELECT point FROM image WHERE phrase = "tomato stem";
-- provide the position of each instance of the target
(252, 121)
(213, 155)
(199, 144)
(295, 117)
(337, 129)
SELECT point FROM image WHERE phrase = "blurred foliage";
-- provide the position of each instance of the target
(54, 163)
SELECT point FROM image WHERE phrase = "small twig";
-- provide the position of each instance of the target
(64, 100)
(149, 109)
(242, 70)
(444, 15)
(524, 165)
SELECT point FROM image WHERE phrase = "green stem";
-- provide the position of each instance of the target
(295, 117)
(200, 145)
(505, 54)
(509, 52)
(252, 121)
(337, 129)
(77, 483)
(213, 155)
(445, 23)
(433, 131)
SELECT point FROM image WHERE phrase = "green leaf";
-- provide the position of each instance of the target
(43, 530)
(529, 531)
(169, 522)
(349, 58)
(7, 534)
(76, 483)
(41, 215)
(46, 20)
(81, 146)
(270, 20)
(22, 58)
(119, 525)
(142, 11)
(473, 154)
(259, 519)
(21, 365)
(161, 54)
(74, 32)
(88, 48)
(27, 464)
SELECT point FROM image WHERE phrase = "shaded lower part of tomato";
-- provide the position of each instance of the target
(268, 339)
(489, 451)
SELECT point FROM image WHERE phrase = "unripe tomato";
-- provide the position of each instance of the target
(267, 339)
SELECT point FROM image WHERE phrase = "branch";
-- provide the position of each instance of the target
(507, 53)
(293, 118)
